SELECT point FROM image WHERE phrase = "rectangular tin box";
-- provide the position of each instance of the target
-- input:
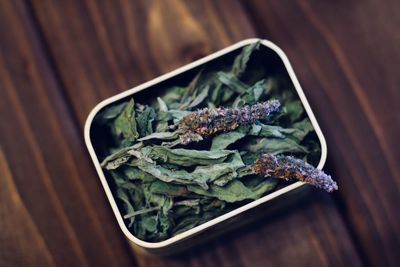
(231, 219)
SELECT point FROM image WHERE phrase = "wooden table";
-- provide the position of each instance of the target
(59, 58)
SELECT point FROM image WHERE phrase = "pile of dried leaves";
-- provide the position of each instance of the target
(198, 151)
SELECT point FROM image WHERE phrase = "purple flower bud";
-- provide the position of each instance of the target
(206, 122)
(290, 168)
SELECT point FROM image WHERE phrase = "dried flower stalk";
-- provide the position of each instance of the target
(206, 122)
(290, 168)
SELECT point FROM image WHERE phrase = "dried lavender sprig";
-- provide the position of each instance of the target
(206, 122)
(290, 168)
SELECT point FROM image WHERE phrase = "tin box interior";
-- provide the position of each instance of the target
(269, 56)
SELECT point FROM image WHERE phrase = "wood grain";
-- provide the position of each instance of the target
(346, 55)
(16, 250)
(121, 44)
(54, 193)
(298, 235)
(101, 48)
(59, 59)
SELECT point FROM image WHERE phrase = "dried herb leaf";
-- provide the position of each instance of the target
(162, 105)
(200, 98)
(168, 189)
(172, 176)
(294, 110)
(123, 196)
(274, 145)
(170, 165)
(232, 82)
(110, 113)
(252, 94)
(134, 173)
(172, 96)
(160, 136)
(235, 191)
(145, 120)
(240, 63)
(172, 114)
(125, 123)
(185, 157)
(223, 140)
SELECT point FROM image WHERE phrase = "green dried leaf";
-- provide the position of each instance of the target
(150, 223)
(275, 146)
(216, 91)
(110, 113)
(162, 105)
(199, 98)
(276, 131)
(127, 206)
(164, 191)
(232, 82)
(234, 191)
(188, 218)
(201, 175)
(222, 141)
(119, 157)
(168, 189)
(221, 173)
(187, 222)
(240, 63)
(252, 94)
(160, 136)
(193, 203)
(173, 114)
(125, 123)
(145, 120)
(293, 110)
(134, 173)
(185, 157)
(226, 172)
(161, 201)
(303, 128)
(172, 96)
(116, 163)
(191, 88)
(172, 176)
(164, 226)
(161, 126)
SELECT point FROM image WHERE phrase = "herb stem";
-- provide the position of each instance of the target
(114, 160)
(139, 212)
(188, 203)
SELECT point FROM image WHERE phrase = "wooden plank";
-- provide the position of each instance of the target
(16, 250)
(53, 210)
(110, 46)
(346, 56)
(302, 235)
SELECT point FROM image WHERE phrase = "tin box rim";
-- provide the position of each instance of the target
(235, 212)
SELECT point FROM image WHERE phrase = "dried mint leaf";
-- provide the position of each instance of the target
(223, 140)
(240, 63)
(185, 157)
(235, 190)
(165, 186)
(145, 120)
(125, 123)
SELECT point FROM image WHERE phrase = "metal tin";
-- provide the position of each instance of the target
(227, 220)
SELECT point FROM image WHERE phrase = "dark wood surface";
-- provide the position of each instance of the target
(59, 58)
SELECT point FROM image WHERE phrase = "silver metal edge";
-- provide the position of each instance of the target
(197, 229)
